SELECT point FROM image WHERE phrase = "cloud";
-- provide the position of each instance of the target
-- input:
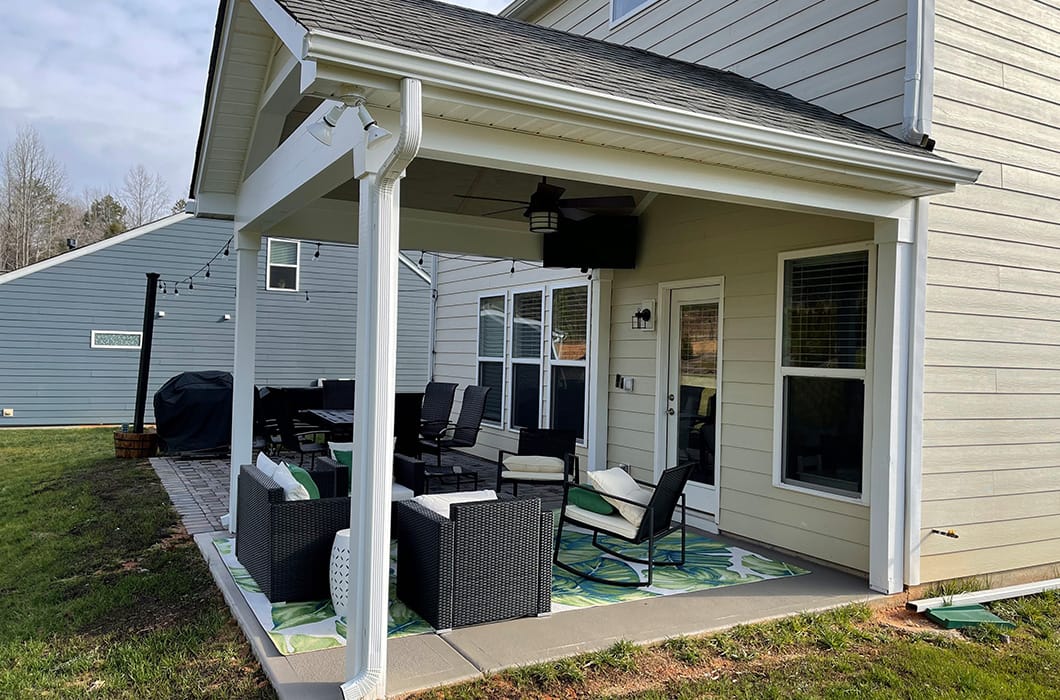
(112, 83)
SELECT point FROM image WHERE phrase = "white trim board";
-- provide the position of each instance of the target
(93, 247)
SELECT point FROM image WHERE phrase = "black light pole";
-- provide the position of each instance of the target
(145, 350)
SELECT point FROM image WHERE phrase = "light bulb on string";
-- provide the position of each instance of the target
(176, 289)
(191, 283)
(207, 270)
(420, 263)
(317, 254)
(226, 249)
(512, 271)
(307, 296)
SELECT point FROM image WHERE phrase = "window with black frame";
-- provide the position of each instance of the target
(823, 371)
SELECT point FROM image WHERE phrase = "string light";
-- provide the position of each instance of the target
(512, 271)
(176, 289)
(226, 249)
(420, 263)
(191, 284)
(307, 296)
(317, 254)
(207, 270)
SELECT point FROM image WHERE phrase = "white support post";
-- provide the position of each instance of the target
(890, 404)
(248, 246)
(373, 454)
(599, 369)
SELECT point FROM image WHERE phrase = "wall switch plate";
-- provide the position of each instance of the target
(9, 413)
(627, 383)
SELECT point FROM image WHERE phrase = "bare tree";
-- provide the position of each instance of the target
(34, 213)
(144, 196)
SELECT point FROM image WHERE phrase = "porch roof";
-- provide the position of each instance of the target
(500, 43)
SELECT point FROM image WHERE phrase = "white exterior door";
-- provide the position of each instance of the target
(692, 390)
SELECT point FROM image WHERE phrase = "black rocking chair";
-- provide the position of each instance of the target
(655, 524)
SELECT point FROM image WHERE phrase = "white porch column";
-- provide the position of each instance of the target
(599, 369)
(373, 432)
(248, 246)
(895, 269)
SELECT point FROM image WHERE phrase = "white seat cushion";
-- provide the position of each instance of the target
(616, 482)
(440, 502)
(608, 523)
(400, 492)
(531, 476)
(534, 463)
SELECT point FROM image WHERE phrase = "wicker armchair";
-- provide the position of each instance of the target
(286, 545)
(490, 561)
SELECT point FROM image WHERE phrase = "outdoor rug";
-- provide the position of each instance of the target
(313, 625)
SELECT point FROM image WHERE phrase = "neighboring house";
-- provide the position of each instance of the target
(983, 82)
(70, 326)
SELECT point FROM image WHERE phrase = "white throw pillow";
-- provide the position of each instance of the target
(534, 463)
(616, 482)
(292, 490)
(266, 465)
(440, 502)
(334, 447)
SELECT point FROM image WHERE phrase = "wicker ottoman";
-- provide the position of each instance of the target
(339, 571)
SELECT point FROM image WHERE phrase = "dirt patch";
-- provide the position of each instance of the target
(909, 622)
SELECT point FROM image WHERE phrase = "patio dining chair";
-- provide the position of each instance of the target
(463, 434)
(655, 523)
(437, 405)
(538, 442)
(295, 437)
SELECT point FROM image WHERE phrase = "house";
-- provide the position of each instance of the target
(70, 326)
(781, 245)
(982, 84)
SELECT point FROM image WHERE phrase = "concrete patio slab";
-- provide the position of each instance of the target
(413, 663)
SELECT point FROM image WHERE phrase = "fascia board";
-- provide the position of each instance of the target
(93, 247)
(326, 46)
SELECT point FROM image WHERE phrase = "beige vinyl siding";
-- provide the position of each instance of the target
(991, 463)
(461, 282)
(846, 56)
(689, 239)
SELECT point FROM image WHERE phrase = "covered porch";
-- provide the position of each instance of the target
(727, 178)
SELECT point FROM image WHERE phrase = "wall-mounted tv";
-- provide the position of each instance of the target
(600, 241)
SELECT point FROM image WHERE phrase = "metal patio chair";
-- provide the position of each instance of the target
(437, 405)
(540, 442)
(464, 434)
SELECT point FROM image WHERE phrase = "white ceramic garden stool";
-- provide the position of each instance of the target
(339, 572)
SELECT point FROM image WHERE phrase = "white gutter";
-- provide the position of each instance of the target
(986, 596)
(370, 502)
(648, 120)
(919, 69)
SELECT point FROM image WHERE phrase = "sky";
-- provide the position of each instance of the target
(109, 84)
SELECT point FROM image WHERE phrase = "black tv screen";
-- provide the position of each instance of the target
(599, 241)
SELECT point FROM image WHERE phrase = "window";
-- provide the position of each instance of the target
(491, 325)
(527, 326)
(117, 340)
(822, 371)
(282, 265)
(623, 9)
(567, 358)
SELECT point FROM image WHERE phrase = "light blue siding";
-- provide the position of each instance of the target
(50, 375)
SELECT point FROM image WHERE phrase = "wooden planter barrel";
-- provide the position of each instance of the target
(135, 445)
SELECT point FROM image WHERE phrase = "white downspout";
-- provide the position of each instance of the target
(915, 417)
(379, 246)
(919, 70)
(432, 320)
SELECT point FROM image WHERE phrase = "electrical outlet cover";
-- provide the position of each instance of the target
(9, 413)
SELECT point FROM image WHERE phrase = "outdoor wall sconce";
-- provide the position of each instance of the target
(161, 314)
(644, 317)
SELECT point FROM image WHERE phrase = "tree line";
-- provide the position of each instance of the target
(40, 218)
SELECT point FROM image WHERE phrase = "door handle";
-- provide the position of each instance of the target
(669, 411)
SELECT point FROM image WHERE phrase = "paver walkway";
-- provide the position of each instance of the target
(198, 489)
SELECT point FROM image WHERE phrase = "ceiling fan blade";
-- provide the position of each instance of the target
(597, 203)
(503, 211)
(492, 199)
(575, 214)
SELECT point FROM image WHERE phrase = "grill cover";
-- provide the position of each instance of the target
(193, 412)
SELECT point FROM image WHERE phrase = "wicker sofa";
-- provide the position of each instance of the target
(490, 561)
(285, 545)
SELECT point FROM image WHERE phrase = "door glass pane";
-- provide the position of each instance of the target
(570, 313)
(491, 374)
(697, 386)
(568, 398)
(823, 432)
(526, 325)
(526, 395)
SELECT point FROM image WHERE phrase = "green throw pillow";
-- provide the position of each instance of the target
(303, 478)
(589, 500)
(344, 457)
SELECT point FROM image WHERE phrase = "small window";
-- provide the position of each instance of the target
(491, 325)
(117, 340)
(624, 9)
(283, 265)
(823, 366)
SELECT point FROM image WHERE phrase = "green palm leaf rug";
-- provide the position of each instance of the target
(311, 626)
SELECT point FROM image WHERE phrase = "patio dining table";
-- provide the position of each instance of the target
(406, 421)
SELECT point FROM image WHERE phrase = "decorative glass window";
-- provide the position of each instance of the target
(283, 258)
(491, 324)
(624, 9)
(822, 372)
(567, 357)
(117, 340)
(527, 326)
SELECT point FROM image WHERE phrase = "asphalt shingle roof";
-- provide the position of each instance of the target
(513, 46)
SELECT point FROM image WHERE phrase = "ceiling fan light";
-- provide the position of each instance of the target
(544, 221)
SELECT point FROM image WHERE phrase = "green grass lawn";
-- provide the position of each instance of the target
(101, 595)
